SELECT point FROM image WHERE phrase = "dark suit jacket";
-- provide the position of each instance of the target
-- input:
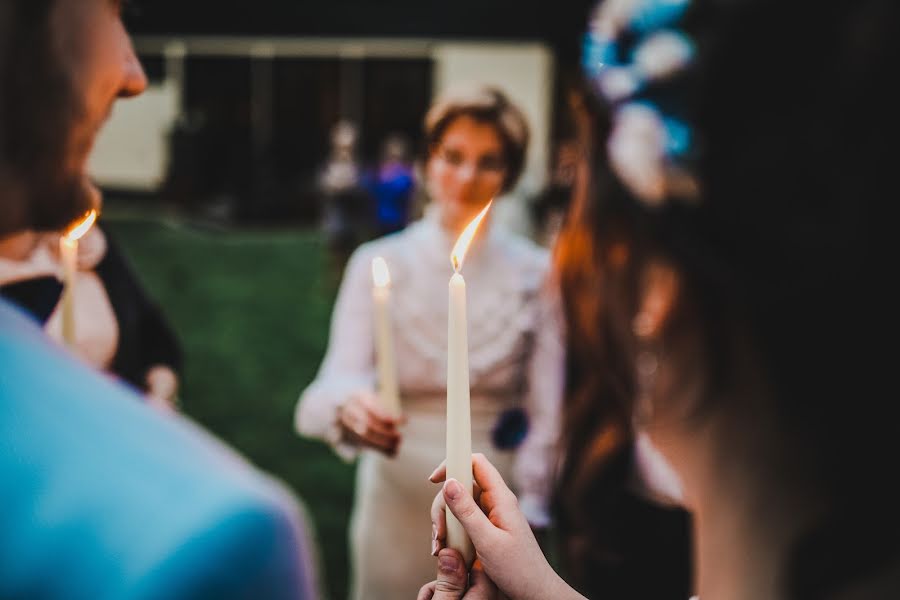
(145, 337)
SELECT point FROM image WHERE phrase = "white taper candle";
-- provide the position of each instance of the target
(386, 366)
(68, 254)
(459, 416)
(459, 427)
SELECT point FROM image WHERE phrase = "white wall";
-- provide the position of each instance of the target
(524, 71)
(131, 151)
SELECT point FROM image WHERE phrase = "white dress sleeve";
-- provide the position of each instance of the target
(348, 365)
(536, 462)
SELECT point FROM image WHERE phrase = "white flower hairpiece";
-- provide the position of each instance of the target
(631, 50)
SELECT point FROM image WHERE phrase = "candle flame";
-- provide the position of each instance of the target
(465, 239)
(77, 230)
(380, 274)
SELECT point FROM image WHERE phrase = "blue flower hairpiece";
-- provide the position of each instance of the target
(510, 430)
(634, 51)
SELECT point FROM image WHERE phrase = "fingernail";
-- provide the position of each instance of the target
(449, 564)
(433, 531)
(435, 547)
(431, 477)
(453, 489)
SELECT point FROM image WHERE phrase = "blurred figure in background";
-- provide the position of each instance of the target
(102, 496)
(120, 330)
(348, 212)
(476, 144)
(391, 185)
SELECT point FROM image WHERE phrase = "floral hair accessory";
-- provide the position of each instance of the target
(633, 55)
(510, 430)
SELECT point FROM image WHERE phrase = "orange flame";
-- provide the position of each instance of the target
(465, 239)
(380, 274)
(77, 230)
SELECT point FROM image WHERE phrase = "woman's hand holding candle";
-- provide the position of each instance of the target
(505, 545)
(365, 422)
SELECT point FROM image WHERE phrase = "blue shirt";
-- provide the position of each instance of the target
(392, 190)
(103, 497)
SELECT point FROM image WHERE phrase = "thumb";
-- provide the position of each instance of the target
(463, 506)
(452, 576)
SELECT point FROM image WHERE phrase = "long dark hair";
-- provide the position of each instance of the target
(797, 129)
(613, 543)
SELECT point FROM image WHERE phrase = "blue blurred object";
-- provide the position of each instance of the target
(638, 54)
(105, 498)
(392, 189)
(678, 137)
(598, 52)
(510, 430)
(650, 15)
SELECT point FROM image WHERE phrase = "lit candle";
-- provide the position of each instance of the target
(384, 339)
(68, 252)
(459, 426)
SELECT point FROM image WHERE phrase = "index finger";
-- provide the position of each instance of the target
(439, 474)
(494, 491)
(487, 477)
(384, 418)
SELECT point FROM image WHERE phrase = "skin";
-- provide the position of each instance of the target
(464, 171)
(506, 549)
(99, 59)
(364, 423)
(453, 581)
(162, 387)
(18, 247)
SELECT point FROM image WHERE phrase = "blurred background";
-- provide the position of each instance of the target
(214, 184)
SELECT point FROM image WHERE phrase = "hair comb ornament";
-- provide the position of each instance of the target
(634, 54)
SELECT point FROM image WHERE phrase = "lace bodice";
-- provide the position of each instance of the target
(503, 282)
(515, 339)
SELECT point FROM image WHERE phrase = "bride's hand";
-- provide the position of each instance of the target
(365, 423)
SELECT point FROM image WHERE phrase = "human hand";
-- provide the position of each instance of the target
(365, 423)
(503, 540)
(162, 387)
(542, 535)
(452, 580)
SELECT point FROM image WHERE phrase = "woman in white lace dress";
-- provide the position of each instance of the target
(476, 149)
